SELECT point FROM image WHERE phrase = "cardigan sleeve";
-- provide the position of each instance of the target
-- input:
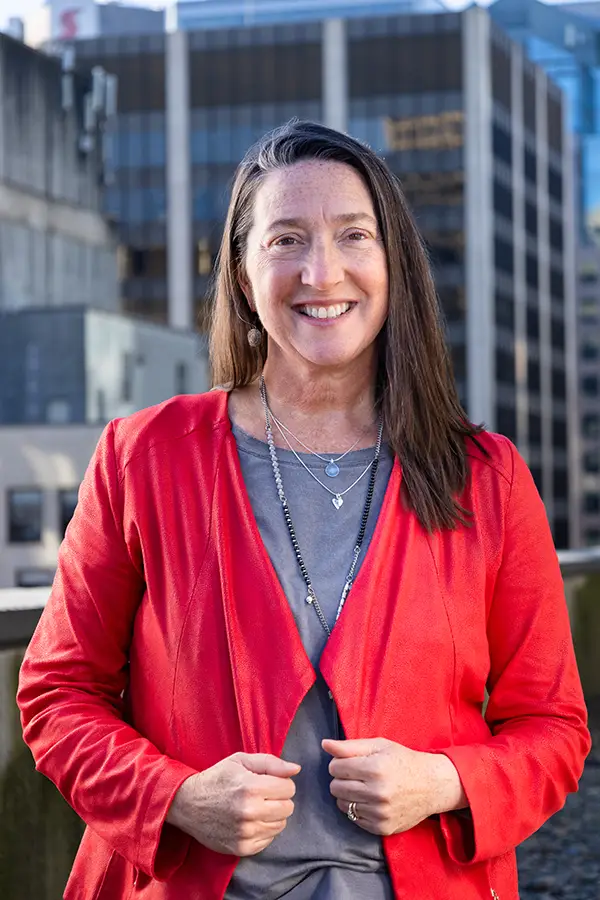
(74, 675)
(536, 712)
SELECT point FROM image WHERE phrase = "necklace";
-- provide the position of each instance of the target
(337, 498)
(331, 469)
(311, 597)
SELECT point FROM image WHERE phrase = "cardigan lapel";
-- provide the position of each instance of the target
(271, 670)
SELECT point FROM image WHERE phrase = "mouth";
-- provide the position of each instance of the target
(331, 311)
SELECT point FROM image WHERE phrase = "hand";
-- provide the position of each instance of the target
(239, 805)
(394, 788)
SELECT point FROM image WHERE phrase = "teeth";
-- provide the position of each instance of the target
(325, 312)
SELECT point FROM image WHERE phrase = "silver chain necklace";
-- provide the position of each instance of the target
(331, 469)
(311, 597)
(337, 497)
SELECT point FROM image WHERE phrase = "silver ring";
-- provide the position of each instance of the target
(352, 811)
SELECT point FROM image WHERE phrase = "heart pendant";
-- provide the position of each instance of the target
(337, 501)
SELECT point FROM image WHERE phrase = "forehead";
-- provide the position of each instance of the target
(310, 188)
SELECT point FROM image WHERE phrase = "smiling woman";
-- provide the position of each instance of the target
(279, 605)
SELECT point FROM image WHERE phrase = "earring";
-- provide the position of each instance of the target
(254, 337)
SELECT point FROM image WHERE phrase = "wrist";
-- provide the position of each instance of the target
(179, 811)
(447, 792)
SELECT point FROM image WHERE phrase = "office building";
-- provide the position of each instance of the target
(473, 129)
(565, 40)
(66, 20)
(55, 244)
(192, 15)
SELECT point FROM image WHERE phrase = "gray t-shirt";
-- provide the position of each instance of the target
(320, 855)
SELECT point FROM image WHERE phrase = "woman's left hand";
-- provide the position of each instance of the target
(394, 788)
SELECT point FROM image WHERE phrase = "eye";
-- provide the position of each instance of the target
(285, 241)
(357, 235)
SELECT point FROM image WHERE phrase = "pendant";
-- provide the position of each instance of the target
(337, 501)
(332, 469)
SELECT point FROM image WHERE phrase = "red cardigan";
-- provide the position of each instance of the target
(168, 644)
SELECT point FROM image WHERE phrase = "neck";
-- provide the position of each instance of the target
(327, 409)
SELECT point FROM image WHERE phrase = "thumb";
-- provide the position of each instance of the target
(267, 764)
(347, 749)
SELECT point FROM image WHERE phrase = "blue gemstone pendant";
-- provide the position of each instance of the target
(332, 469)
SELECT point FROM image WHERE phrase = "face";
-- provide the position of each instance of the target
(316, 268)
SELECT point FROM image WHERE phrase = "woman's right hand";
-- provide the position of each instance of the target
(239, 805)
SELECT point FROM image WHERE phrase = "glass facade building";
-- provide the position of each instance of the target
(473, 133)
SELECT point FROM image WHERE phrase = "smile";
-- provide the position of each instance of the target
(324, 312)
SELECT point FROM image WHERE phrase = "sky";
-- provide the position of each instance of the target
(23, 8)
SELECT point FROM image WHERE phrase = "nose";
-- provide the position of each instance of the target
(322, 267)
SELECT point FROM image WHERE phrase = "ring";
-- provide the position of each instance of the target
(352, 811)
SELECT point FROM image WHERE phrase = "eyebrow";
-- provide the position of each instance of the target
(342, 219)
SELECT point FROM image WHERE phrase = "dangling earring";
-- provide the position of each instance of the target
(254, 337)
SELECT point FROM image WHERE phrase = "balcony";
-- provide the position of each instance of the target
(39, 834)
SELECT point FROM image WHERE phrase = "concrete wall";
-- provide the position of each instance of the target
(131, 364)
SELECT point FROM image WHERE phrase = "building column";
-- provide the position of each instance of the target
(180, 283)
(520, 251)
(479, 233)
(544, 301)
(335, 74)
(574, 419)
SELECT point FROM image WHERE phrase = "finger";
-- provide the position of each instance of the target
(350, 790)
(271, 788)
(276, 810)
(347, 749)
(355, 769)
(267, 764)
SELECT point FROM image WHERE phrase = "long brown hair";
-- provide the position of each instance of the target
(424, 421)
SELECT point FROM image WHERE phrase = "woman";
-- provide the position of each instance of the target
(278, 607)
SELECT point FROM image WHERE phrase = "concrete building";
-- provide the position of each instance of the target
(192, 15)
(55, 245)
(472, 128)
(565, 40)
(64, 374)
(67, 20)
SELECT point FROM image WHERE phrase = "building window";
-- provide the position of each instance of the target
(561, 484)
(591, 425)
(559, 434)
(533, 376)
(127, 383)
(58, 411)
(503, 255)
(535, 429)
(503, 200)
(32, 578)
(67, 501)
(506, 421)
(502, 144)
(592, 537)
(531, 219)
(25, 516)
(530, 166)
(590, 385)
(531, 271)
(591, 461)
(555, 185)
(561, 533)
(181, 378)
(505, 366)
(557, 284)
(591, 503)
(589, 350)
(559, 384)
(533, 323)
(536, 473)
